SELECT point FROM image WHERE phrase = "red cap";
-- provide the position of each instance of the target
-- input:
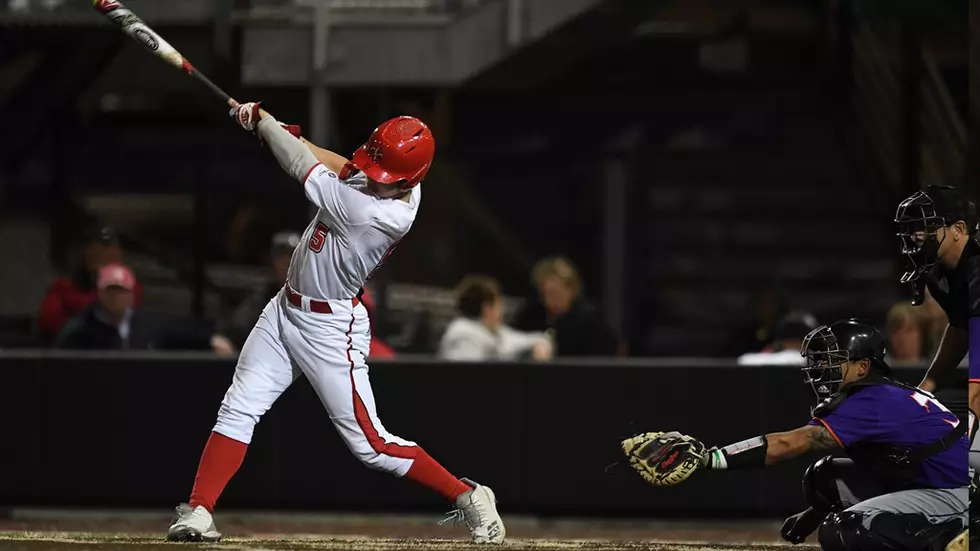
(116, 275)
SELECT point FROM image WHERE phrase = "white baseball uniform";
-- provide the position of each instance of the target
(349, 238)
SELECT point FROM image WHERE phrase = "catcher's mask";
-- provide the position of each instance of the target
(828, 347)
(918, 220)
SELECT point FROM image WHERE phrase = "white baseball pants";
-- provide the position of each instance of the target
(330, 350)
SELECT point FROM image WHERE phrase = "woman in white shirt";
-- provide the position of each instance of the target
(479, 334)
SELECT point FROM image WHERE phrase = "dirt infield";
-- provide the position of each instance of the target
(136, 531)
(54, 541)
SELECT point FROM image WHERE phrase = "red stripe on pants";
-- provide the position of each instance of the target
(424, 470)
(364, 419)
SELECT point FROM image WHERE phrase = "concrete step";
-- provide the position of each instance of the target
(738, 266)
(777, 200)
(759, 236)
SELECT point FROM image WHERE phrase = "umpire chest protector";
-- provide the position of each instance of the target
(895, 467)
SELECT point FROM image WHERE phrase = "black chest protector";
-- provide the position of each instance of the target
(894, 466)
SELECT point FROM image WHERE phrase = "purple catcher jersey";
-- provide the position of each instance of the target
(888, 414)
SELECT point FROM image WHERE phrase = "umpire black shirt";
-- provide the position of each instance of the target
(951, 287)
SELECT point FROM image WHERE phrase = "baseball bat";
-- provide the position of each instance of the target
(131, 24)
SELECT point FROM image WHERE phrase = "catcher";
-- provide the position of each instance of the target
(904, 484)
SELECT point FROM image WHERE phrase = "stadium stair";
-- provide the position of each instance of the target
(42, 80)
(775, 205)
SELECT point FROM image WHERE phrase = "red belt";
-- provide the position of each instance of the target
(318, 306)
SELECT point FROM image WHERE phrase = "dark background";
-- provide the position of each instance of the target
(686, 155)
(761, 147)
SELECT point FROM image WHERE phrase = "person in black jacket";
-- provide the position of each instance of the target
(577, 326)
(114, 323)
(238, 324)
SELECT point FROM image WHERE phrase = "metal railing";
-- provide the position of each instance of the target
(56, 10)
(878, 105)
(944, 139)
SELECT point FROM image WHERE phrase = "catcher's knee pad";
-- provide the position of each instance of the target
(820, 486)
(845, 531)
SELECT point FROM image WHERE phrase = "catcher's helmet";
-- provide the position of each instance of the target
(828, 347)
(399, 151)
(918, 219)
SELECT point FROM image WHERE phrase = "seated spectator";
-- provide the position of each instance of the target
(480, 334)
(787, 340)
(69, 296)
(114, 323)
(239, 323)
(379, 348)
(905, 335)
(755, 332)
(577, 326)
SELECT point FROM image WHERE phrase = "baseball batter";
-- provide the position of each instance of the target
(317, 327)
(904, 484)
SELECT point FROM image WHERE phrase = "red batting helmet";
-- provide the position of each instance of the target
(400, 150)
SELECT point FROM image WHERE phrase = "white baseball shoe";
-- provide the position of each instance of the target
(477, 509)
(193, 524)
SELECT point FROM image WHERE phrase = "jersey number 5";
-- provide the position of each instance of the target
(319, 237)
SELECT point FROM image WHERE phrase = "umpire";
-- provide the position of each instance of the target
(940, 235)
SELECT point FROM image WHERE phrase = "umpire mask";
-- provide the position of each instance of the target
(823, 362)
(917, 221)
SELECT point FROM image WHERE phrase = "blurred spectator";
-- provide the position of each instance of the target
(379, 348)
(905, 335)
(558, 306)
(577, 327)
(114, 323)
(787, 340)
(69, 296)
(239, 323)
(479, 334)
(755, 333)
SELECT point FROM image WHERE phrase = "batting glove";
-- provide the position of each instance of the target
(246, 115)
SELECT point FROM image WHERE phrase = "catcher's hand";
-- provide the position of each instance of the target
(665, 458)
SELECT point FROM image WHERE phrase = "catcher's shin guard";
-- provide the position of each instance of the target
(820, 485)
(845, 531)
(798, 527)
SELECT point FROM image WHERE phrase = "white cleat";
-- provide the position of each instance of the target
(477, 509)
(193, 524)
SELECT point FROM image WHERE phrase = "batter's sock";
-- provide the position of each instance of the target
(427, 472)
(220, 461)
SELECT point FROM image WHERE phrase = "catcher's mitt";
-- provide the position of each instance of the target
(664, 458)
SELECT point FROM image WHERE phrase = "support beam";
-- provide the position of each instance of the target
(615, 220)
(321, 112)
(911, 102)
(613, 255)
